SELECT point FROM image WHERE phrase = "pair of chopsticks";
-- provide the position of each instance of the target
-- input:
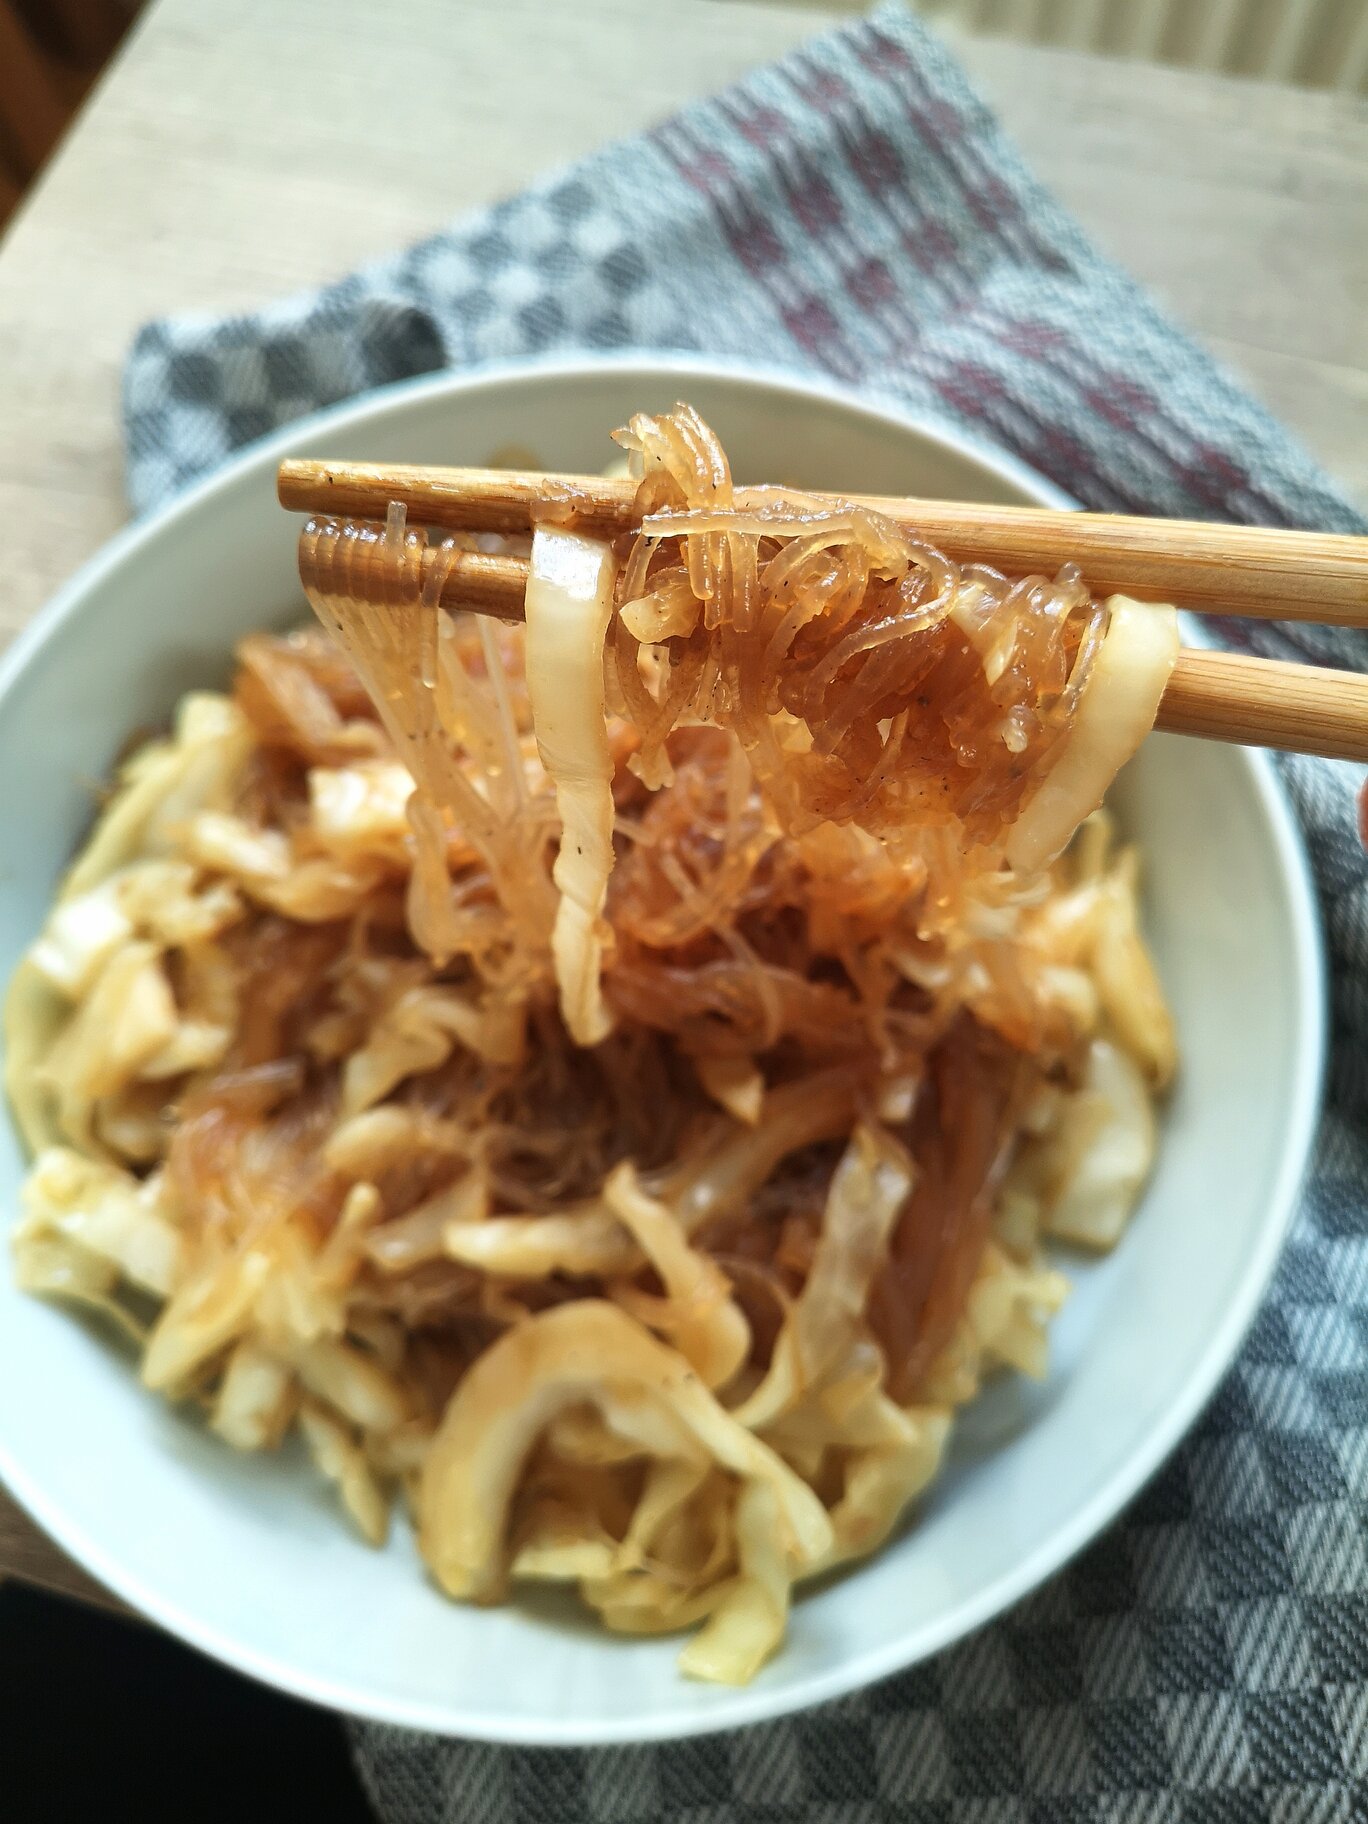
(1210, 569)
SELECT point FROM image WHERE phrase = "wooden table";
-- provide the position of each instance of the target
(239, 149)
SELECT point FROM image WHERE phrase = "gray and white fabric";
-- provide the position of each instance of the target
(855, 210)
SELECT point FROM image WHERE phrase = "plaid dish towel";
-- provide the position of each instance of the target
(856, 210)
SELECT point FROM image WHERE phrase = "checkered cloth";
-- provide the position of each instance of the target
(855, 210)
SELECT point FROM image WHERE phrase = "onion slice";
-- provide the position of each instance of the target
(1116, 711)
(569, 604)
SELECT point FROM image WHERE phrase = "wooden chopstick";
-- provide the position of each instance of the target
(1300, 709)
(1214, 569)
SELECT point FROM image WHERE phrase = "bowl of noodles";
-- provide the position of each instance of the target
(619, 1176)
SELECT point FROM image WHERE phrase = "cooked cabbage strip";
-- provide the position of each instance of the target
(100, 1211)
(1115, 712)
(868, 1190)
(697, 1311)
(593, 1353)
(569, 604)
(256, 1398)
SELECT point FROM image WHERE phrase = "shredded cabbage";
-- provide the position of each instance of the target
(1116, 710)
(569, 605)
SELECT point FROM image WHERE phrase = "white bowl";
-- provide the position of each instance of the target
(248, 1558)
